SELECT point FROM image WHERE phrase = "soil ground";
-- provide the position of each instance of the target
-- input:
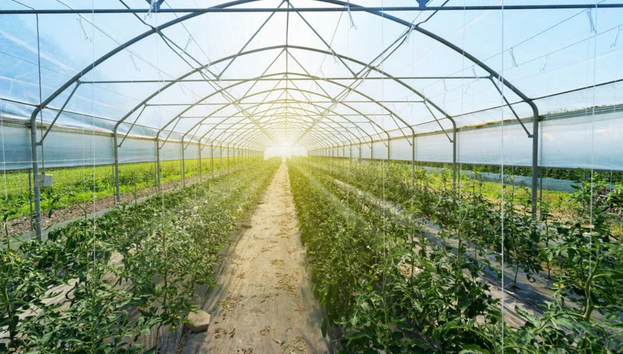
(263, 302)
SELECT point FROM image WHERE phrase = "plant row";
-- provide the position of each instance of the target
(102, 285)
(557, 173)
(75, 185)
(388, 287)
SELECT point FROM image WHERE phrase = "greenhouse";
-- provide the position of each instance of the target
(311, 176)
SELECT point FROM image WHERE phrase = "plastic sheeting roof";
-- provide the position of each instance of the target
(308, 78)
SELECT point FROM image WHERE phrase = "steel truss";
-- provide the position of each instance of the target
(310, 122)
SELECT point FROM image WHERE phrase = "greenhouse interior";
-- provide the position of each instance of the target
(311, 176)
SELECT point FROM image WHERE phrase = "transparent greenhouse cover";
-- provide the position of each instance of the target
(318, 79)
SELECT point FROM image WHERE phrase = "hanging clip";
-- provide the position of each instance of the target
(512, 53)
(474, 73)
(350, 15)
(544, 63)
(323, 75)
(148, 14)
(589, 13)
(408, 34)
(84, 31)
(445, 88)
(154, 6)
(190, 39)
(134, 62)
(616, 38)
(334, 56)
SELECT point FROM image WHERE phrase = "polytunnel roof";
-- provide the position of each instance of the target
(310, 73)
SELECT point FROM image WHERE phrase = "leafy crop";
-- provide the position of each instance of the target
(389, 285)
(101, 285)
(76, 185)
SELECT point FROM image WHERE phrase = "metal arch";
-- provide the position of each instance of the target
(341, 3)
(412, 142)
(371, 121)
(301, 122)
(235, 3)
(317, 78)
(233, 124)
(271, 125)
(254, 136)
(297, 124)
(262, 112)
(249, 133)
(295, 127)
(242, 81)
(244, 124)
(201, 138)
(482, 65)
(275, 124)
(250, 80)
(376, 12)
(250, 95)
(357, 128)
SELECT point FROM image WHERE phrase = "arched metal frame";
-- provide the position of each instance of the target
(75, 80)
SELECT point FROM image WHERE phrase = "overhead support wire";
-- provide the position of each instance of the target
(220, 9)
(290, 78)
(350, 16)
(325, 43)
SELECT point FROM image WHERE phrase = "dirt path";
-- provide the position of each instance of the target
(264, 303)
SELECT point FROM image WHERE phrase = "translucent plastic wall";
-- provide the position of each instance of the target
(564, 143)
(71, 149)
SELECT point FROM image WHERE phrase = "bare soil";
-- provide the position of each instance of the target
(264, 303)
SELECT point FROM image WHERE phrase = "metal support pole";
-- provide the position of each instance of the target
(116, 154)
(35, 173)
(454, 167)
(158, 165)
(30, 197)
(413, 160)
(228, 159)
(183, 165)
(371, 149)
(200, 165)
(221, 156)
(212, 159)
(535, 161)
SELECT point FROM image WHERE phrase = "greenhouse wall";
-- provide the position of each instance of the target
(576, 142)
(65, 148)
